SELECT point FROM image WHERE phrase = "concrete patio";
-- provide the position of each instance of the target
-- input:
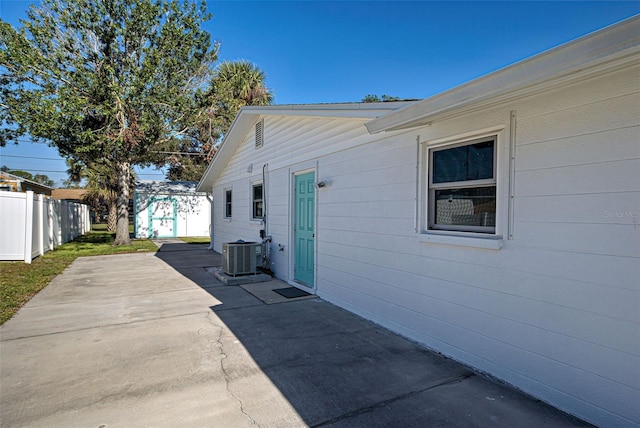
(154, 340)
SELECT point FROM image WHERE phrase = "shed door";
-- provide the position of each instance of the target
(163, 216)
(304, 232)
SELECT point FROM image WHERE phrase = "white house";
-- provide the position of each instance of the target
(165, 209)
(497, 223)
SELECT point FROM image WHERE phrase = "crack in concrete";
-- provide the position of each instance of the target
(224, 370)
(384, 403)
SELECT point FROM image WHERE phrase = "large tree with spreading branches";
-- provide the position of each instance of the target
(110, 82)
(234, 84)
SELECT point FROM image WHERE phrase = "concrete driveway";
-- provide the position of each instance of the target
(154, 340)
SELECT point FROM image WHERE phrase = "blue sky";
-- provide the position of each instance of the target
(340, 51)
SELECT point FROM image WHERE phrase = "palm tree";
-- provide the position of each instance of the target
(101, 186)
(243, 82)
(235, 84)
(102, 192)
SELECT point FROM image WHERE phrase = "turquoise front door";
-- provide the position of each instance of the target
(304, 228)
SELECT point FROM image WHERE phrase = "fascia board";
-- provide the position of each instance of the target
(617, 43)
(346, 110)
(248, 115)
(230, 143)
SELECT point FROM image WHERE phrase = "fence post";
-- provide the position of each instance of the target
(41, 225)
(50, 212)
(28, 225)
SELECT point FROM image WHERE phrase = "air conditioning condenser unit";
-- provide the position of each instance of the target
(241, 258)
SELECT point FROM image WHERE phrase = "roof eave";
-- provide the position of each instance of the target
(339, 110)
(247, 116)
(240, 125)
(33, 183)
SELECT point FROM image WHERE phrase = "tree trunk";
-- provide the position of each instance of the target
(124, 179)
(112, 217)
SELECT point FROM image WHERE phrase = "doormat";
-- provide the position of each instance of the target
(291, 292)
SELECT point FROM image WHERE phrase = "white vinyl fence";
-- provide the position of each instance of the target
(31, 225)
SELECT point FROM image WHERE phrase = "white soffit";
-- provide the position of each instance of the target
(602, 50)
(247, 117)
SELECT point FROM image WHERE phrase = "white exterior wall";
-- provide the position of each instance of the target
(555, 311)
(193, 214)
(291, 144)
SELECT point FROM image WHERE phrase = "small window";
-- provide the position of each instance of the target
(227, 203)
(257, 211)
(259, 134)
(462, 187)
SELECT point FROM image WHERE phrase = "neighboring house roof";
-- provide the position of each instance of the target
(598, 52)
(24, 184)
(248, 116)
(68, 194)
(160, 187)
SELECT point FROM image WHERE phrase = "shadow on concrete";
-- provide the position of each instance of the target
(337, 369)
(192, 261)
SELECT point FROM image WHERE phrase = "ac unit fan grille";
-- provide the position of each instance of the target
(241, 258)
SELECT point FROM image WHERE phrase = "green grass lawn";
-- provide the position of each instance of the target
(19, 281)
(195, 239)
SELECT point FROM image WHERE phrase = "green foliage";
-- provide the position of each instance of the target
(101, 186)
(235, 84)
(372, 98)
(44, 179)
(105, 81)
(38, 178)
(20, 173)
(196, 239)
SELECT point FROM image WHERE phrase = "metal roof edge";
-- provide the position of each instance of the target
(248, 115)
(240, 125)
(337, 110)
(18, 178)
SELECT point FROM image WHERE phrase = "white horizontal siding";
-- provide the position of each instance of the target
(555, 311)
(601, 208)
(530, 372)
(604, 146)
(580, 179)
(582, 120)
(536, 286)
(530, 339)
(289, 145)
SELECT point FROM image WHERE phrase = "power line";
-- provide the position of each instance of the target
(49, 170)
(34, 170)
(30, 157)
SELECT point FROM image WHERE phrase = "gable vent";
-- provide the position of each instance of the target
(259, 134)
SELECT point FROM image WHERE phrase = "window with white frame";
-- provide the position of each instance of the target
(462, 186)
(227, 203)
(256, 201)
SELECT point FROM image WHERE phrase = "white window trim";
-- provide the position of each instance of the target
(224, 206)
(493, 241)
(433, 188)
(251, 186)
